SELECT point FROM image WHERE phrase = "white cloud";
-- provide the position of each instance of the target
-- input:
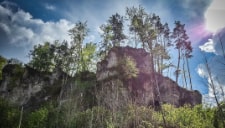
(208, 46)
(218, 81)
(216, 64)
(202, 71)
(215, 45)
(22, 29)
(215, 15)
(5, 28)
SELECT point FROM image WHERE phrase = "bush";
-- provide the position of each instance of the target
(187, 116)
(37, 119)
(97, 117)
(53, 116)
(9, 115)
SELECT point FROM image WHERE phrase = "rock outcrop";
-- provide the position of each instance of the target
(125, 76)
(30, 88)
(146, 88)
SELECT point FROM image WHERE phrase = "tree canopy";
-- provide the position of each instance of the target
(146, 30)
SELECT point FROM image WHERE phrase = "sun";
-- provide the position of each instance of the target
(215, 16)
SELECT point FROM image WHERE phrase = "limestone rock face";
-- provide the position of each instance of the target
(105, 69)
(28, 87)
(147, 88)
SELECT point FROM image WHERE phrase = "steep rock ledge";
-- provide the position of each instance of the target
(147, 88)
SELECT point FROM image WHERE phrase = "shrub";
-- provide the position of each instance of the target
(37, 119)
(9, 115)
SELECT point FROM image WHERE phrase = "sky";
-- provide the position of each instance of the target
(25, 23)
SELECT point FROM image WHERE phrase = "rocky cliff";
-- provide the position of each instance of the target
(27, 87)
(124, 77)
(144, 88)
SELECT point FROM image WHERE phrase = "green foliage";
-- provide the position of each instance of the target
(143, 117)
(219, 116)
(152, 34)
(37, 118)
(112, 34)
(3, 62)
(48, 56)
(106, 43)
(16, 75)
(88, 54)
(42, 57)
(78, 34)
(85, 83)
(129, 69)
(187, 116)
(9, 115)
(52, 116)
(140, 117)
(97, 117)
(116, 23)
(85, 80)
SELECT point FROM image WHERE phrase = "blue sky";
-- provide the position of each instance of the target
(25, 23)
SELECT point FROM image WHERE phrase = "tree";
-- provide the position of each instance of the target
(112, 34)
(161, 44)
(116, 23)
(180, 39)
(141, 25)
(152, 34)
(62, 56)
(42, 57)
(136, 16)
(187, 55)
(105, 44)
(78, 34)
(9, 114)
(212, 85)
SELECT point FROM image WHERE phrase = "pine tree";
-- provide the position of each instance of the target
(180, 39)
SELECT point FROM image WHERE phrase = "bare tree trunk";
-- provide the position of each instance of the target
(184, 73)
(21, 117)
(189, 74)
(160, 101)
(178, 66)
(151, 57)
(212, 85)
(135, 40)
